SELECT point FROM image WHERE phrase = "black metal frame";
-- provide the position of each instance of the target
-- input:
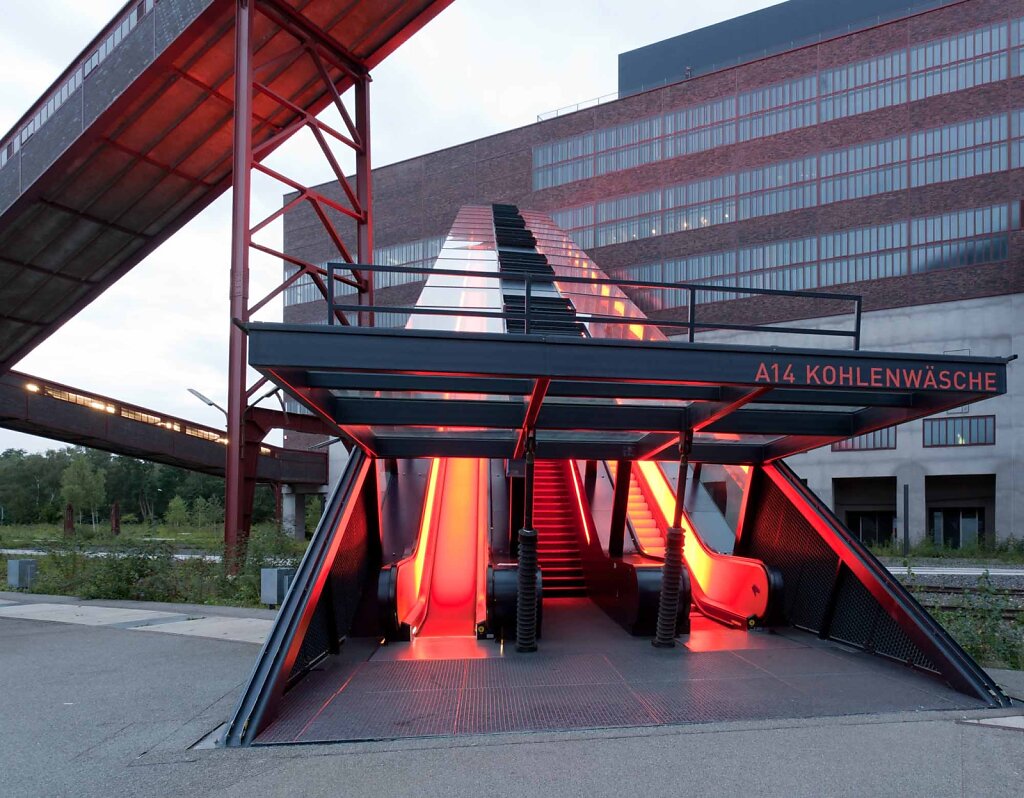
(533, 316)
(376, 387)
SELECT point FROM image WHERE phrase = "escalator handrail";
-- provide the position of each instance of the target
(267, 680)
(967, 669)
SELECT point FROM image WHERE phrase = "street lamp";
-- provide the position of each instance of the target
(207, 400)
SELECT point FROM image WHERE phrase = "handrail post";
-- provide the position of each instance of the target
(691, 313)
(526, 305)
(856, 322)
(330, 294)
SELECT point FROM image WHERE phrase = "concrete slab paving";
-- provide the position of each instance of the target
(82, 614)
(242, 630)
(98, 710)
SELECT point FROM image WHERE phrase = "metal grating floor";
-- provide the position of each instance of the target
(590, 674)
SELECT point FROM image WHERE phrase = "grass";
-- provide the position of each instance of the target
(1010, 550)
(208, 539)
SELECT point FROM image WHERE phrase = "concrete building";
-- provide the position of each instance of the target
(884, 161)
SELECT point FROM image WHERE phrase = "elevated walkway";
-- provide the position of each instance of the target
(59, 412)
(134, 139)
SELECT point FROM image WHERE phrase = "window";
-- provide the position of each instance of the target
(872, 527)
(958, 151)
(867, 86)
(958, 62)
(867, 253)
(956, 527)
(962, 238)
(777, 188)
(884, 438)
(960, 431)
(776, 109)
(863, 170)
(414, 254)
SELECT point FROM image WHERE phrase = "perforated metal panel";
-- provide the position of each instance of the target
(781, 537)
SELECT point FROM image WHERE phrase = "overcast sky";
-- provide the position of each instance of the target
(481, 67)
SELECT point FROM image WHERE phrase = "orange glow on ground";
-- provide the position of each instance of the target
(735, 585)
(579, 501)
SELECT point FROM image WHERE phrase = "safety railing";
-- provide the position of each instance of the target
(532, 315)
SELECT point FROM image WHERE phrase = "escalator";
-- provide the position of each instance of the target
(737, 591)
(440, 590)
(556, 521)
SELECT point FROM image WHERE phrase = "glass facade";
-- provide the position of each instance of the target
(960, 431)
(942, 66)
(419, 254)
(953, 152)
(960, 238)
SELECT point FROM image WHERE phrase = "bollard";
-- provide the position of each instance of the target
(21, 574)
(526, 600)
(274, 584)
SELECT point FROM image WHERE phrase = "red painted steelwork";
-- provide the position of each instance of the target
(336, 68)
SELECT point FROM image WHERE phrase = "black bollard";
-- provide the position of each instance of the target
(526, 599)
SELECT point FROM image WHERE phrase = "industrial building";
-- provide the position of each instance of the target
(881, 160)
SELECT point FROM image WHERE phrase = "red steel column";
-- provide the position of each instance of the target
(364, 192)
(235, 532)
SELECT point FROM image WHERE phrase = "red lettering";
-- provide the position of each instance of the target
(813, 378)
(990, 381)
(959, 380)
(846, 375)
(892, 378)
(828, 375)
(789, 376)
(944, 381)
(912, 378)
(975, 382)
(762, 374)
(876, 377)
(929, 379)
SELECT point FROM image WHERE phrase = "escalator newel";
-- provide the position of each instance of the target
(668, 602)
(526, 601)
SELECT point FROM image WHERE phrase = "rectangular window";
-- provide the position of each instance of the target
(957, 151)
(777, 188)
(776, 109)
(960, 431)
(959, 62)
(961, 238)
(863, 170)
(867, 86)
(879, 439)
(867, 253)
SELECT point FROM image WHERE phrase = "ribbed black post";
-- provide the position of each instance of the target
(526, 600)
(668, 601)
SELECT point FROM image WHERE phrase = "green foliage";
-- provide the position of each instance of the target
(980, 627)
(1010, 550)
(83, 486)
(313, 513)
(207, 512)
(177, 512)
(32, 488)
(147, 570)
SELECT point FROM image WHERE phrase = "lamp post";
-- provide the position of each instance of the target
(207, 400)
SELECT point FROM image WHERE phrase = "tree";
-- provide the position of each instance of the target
(83, 487)
(177, 512)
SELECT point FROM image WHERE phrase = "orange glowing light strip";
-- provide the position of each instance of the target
(419, 564)
(579, 500)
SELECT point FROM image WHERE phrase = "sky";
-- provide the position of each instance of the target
(481, 67)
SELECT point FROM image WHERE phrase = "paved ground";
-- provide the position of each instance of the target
(101, 711)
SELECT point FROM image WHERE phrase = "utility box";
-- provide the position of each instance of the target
(274, 584)
(21, 574)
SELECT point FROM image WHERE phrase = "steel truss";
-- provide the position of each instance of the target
(256, 108)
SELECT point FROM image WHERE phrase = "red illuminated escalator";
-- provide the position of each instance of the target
(555, 519)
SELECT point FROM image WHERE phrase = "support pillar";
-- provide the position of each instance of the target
(235, 531)
(293, 512)
(620, 508)
(527, 598)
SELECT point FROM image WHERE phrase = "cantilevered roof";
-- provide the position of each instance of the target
(410, 393)
(135, 138)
